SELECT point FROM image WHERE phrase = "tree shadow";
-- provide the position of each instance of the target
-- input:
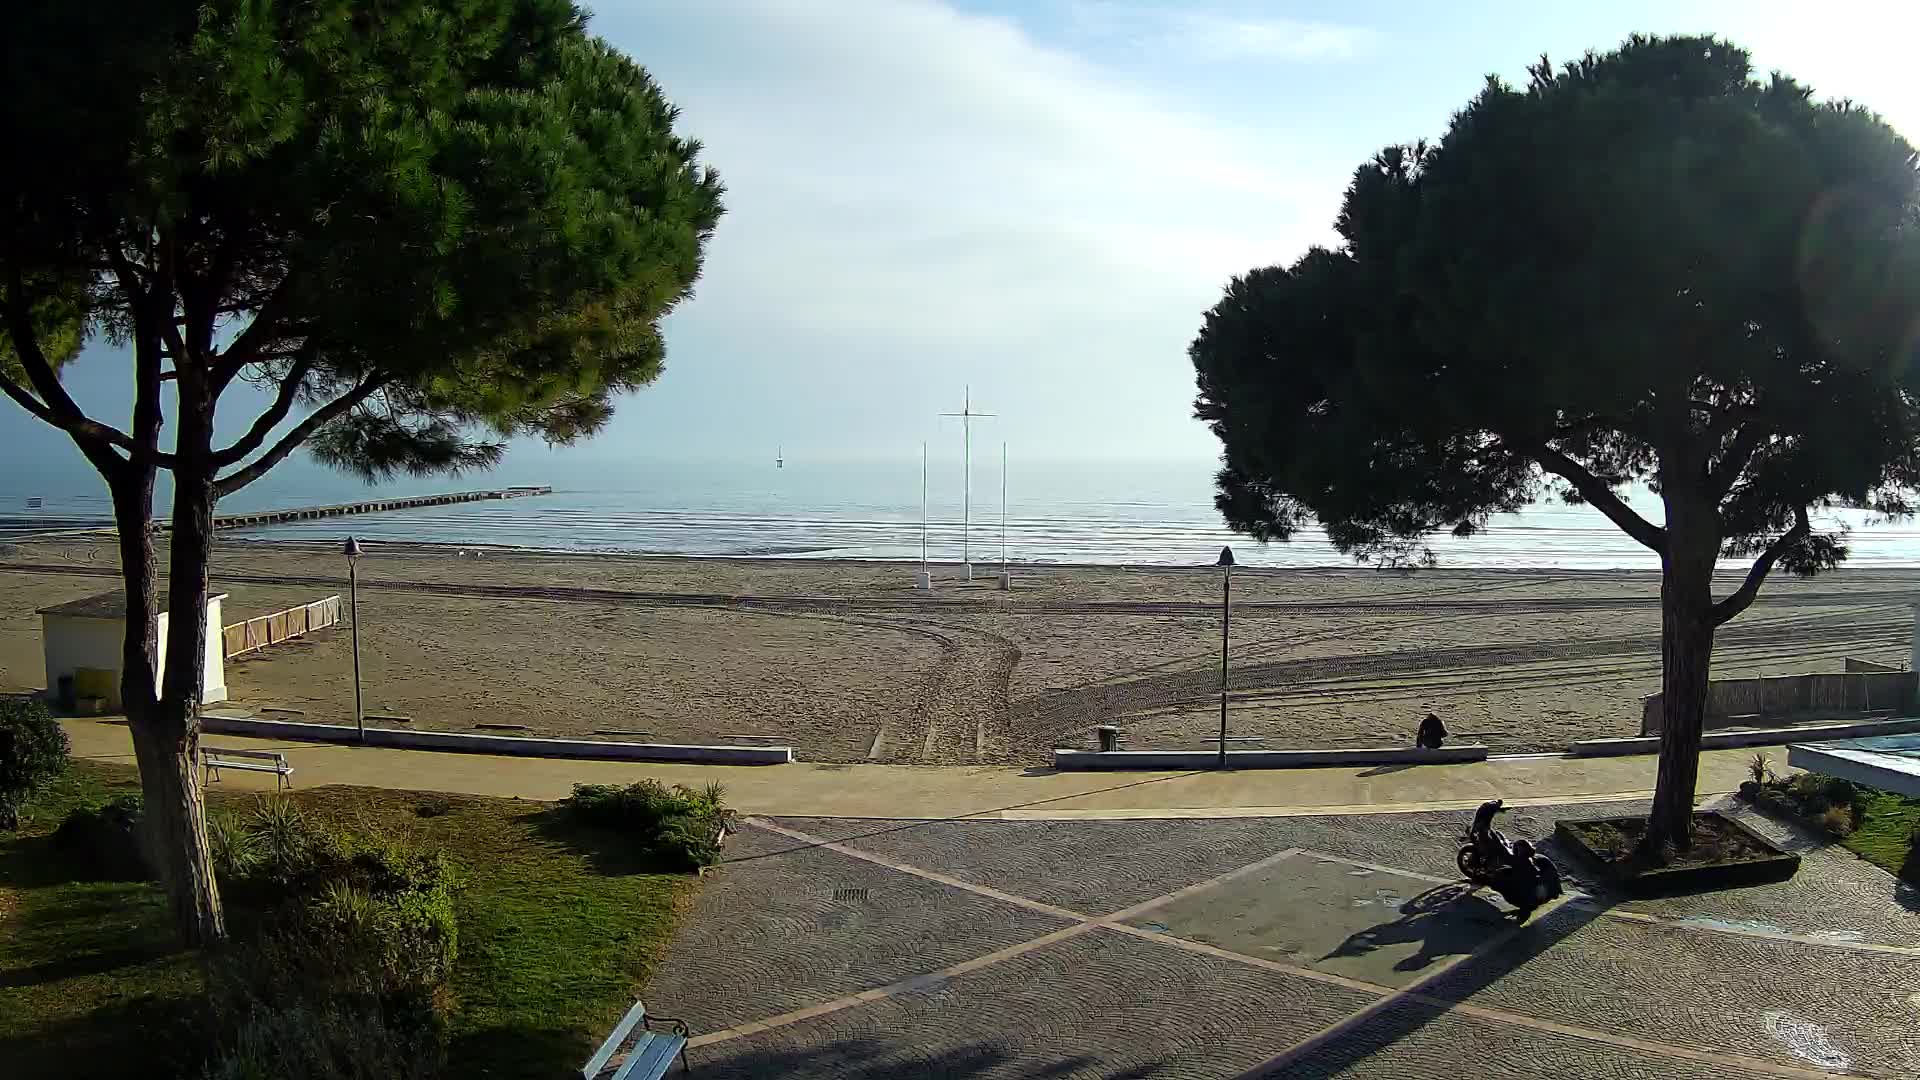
(33, 862)
(1382, 770)
(1433, 997)
(875, 1059)
(1446, 920)
(1906, 889)
(76, 965)
(517, 1050)
(608, 851)
(166, 1036)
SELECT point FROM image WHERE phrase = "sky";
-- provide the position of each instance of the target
(1038, 200)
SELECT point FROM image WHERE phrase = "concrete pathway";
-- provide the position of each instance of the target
(910, 791)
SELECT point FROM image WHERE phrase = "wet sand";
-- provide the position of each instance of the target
(847, 662)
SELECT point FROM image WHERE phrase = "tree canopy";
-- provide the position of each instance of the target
(1647, 266)
(420, 226)
(404, 218)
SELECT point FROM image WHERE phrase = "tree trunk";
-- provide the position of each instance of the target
(173, 817)
(179, 822)
(1686, 652)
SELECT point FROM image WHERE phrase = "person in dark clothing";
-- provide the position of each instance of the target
(1432, 732)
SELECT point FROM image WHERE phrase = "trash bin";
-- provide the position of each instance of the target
(1109, 737)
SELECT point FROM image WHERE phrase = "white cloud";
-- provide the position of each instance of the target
(1219, 35)
(918, 196)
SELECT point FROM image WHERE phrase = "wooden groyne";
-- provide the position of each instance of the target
(371, 506)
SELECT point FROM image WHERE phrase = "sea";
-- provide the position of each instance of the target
(1151, 513)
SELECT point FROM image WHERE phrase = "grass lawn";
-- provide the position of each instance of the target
(1882, 838)
(558, 931)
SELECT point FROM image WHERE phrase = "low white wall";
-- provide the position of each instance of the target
(1181, 760)
(1724, 740)
(500, 744)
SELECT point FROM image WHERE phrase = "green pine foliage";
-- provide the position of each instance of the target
(419, 227)
(1647, 267)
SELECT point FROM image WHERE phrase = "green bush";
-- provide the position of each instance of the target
(354, 936)
(1827, 802)
(33, 750)
(677, 828)
(103, 842)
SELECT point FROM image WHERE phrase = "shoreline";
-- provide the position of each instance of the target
(427, 548)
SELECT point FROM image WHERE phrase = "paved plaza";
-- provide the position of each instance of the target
(1283, 946)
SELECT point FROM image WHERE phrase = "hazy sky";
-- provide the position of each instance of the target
(1040, 199)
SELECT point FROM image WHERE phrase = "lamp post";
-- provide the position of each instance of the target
(352, 551)
(1226, 617)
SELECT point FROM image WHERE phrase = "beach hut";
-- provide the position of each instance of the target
(83, 640)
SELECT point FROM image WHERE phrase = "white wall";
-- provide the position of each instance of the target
(72, 643)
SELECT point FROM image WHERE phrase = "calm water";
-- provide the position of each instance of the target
(1062, 513)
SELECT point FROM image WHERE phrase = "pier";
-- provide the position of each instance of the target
(371, 506)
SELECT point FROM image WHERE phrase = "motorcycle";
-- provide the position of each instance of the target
(1524, 879)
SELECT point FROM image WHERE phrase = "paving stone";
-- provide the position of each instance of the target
(767, 936)
(1100, 1004)
(1093, 867)
(1802, 1005)
(1411, 1041)
(1379, 927)
(1835, 893)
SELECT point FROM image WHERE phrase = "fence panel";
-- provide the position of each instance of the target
(271, 629)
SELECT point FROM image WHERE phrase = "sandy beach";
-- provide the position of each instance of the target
(847, 662)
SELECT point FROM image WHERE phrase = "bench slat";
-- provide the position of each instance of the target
(651, 1058)
(236, 752)
(248, 766)
(612, 1046)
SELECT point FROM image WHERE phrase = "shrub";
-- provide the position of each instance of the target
(1759, 769)
(103, 842)
(33, 750)
(675, 828)
(1838, 820)
(352, 936)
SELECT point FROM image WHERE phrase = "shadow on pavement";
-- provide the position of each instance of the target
(1431, 998)
(1447, 920)
(875, 1059)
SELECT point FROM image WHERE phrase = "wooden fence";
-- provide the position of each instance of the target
(1835, 696)
(258, 633)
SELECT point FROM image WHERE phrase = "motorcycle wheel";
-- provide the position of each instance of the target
(1469, 864)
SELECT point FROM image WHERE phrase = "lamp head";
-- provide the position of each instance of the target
(1226, 557)
(351, 549)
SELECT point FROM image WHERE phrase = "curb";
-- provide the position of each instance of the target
(521, 746)
(1727, 740)
(1184, 760)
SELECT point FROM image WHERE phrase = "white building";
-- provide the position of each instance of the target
(89, 636)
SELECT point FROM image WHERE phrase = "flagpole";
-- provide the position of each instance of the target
(967, 417)
(966, 483)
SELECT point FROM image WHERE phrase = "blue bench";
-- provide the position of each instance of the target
(651, 1053)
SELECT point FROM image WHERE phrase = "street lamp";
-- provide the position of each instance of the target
(352, 551)
(1226, 616)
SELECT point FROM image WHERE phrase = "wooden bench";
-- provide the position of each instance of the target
(215, 758)
(651, 1053)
